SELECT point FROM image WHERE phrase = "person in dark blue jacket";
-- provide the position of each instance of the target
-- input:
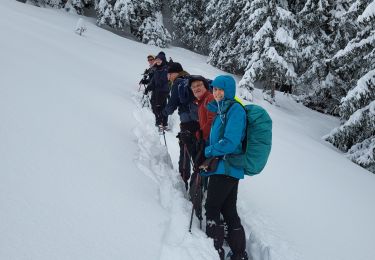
(160, 90)
(223, 181)
(188, 112)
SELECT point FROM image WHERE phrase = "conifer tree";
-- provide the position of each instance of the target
(314, 44)
(78, 5)
(356, 63)
(273, 46)
(105, 13)
(188, 18)
(338, 65)
(230, 42)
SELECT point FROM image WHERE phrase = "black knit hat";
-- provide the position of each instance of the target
(199, 78)
(175, 67)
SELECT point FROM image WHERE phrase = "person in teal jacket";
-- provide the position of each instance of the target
(223, 182)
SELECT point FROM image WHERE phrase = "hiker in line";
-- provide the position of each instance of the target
(182, 99)
(160, 90)
(147, 75)
(227, 133)
(200, 88)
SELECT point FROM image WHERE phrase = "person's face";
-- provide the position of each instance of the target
(218, 93)
(172, 76)
(158, 61)
(198, 88)
(150, 61)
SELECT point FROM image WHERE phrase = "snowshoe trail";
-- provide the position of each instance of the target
(154, 161)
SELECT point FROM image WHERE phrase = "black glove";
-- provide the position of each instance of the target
(144, 81)
(210, 164)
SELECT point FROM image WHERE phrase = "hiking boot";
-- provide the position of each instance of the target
(239, 257)
(217, 233)
(237, 243)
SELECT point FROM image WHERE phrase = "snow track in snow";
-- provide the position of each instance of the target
(154, 161)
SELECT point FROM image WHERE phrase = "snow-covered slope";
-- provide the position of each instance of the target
(83, 174)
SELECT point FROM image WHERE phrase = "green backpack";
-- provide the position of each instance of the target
(257, 143)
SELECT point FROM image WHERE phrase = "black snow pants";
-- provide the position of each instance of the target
(222, 199)
(158, 102)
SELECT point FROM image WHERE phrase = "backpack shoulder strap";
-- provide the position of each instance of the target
(227, 158)
(221, 131)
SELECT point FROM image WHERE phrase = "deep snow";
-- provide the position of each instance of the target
(84, 174)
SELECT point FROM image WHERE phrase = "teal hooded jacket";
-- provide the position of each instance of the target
(229, 141)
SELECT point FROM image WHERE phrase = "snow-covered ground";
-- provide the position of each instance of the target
(84, 174)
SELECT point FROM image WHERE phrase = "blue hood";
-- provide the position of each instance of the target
(227, 83)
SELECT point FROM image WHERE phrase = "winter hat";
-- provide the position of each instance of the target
(162, 58)
(150, 56)
(199, 78)
(161, 55)
(175, 67)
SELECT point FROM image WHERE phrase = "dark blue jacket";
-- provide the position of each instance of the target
(188, 111)
(159, 81)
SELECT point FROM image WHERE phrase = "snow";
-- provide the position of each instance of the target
(353, 45)
(286, 15)
(368, 13)
(84, 174)
(263, 31)
(273, 56)
(362, 87)
(282, 36)
(363, 153)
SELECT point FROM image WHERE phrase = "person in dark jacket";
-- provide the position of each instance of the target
(160, 90)
(223, 181)
(188, 118)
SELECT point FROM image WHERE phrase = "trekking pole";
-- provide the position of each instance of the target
(191, 218)
(197, 196)
(165, 141)
(184, 164)
(140, 85)
(143, 101)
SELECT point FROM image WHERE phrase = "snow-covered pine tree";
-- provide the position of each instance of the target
(357, 137)
(357, 63)
(153, 32)
(78, 5)
(188, 18)
(314, 45)
(142, 17)
(225, 35)
(230, 41)
(273, 46)
(105, 13)
(339, 78)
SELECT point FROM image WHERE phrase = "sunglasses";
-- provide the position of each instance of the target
(150, 59)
